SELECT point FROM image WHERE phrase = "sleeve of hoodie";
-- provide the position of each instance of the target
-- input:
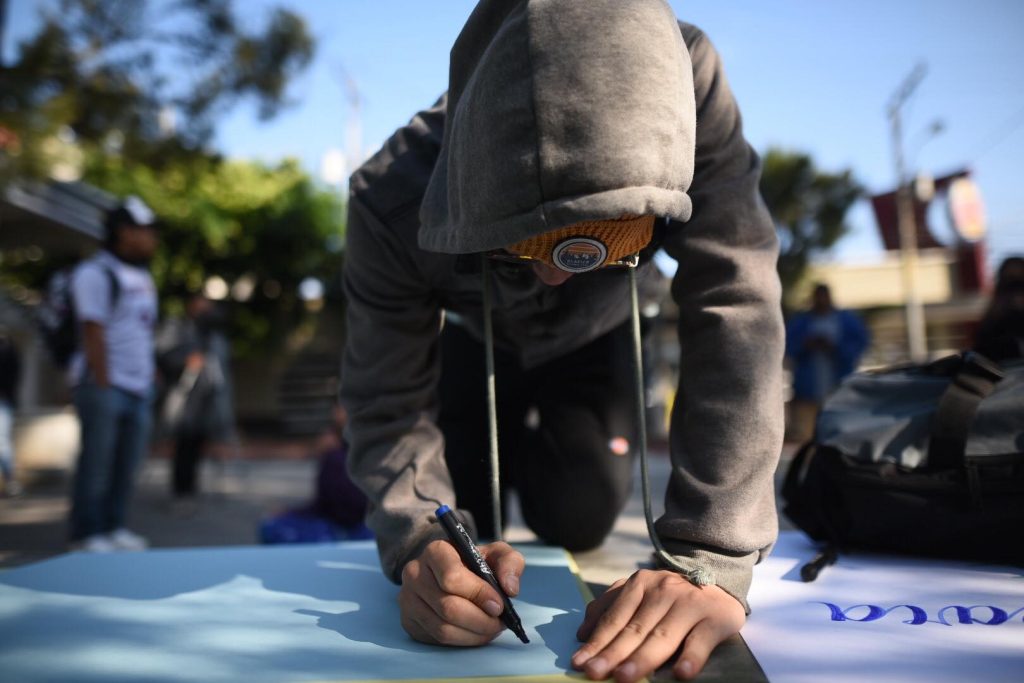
(390, 370)
(727, 421)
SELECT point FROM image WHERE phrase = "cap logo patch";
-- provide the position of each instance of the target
(579, 254)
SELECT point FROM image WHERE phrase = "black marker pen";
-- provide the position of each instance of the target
(809, 572)
(472, 558)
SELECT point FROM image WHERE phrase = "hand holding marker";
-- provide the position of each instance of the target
(472, 558)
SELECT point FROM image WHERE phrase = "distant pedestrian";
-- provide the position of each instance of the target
(194, 355)
(10, 373)
(1000, 335)
(112, 374)
(825, 345)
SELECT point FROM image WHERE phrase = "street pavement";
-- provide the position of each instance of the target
(240, 491)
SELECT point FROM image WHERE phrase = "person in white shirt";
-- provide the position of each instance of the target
(112, 374)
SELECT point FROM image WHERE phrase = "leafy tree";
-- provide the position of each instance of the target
(146, 80)
(98, 87)
(808, 206)
(258, 227)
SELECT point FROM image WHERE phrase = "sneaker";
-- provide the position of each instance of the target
(97, 543)
(122, 539)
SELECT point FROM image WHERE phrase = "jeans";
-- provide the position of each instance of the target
(188, 452)
(6, 441)
(115, 431)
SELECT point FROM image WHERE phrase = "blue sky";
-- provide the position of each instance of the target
(809, 76)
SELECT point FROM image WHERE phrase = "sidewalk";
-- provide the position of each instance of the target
(239, 492)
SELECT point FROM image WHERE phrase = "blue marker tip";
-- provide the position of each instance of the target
(441, 510)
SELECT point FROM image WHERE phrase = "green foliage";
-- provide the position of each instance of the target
(94, 93)
(113, 74)
(240, 221)
(808, 207)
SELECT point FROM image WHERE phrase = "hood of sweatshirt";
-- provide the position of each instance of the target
(561, 111)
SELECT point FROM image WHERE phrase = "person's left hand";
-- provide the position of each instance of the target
(639, 623)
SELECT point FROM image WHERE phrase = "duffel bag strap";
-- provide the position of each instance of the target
(806, 493)
(975, 379)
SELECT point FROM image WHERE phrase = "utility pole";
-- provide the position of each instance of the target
(3, 27)
(354, 125)
(916, 337)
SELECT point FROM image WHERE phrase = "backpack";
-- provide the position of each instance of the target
(56, 314)
(926, 460)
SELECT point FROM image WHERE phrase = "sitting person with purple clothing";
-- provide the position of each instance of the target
(338, 509)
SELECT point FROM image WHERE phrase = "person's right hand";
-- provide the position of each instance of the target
(443, 603)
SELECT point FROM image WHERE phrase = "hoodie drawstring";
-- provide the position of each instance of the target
(697, 576)
(492, 402)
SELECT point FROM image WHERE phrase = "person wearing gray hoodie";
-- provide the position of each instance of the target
(572, 135)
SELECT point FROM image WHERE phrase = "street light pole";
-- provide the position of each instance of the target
(3, 27)
(916, 337)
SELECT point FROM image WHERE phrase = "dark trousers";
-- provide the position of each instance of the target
(571, 485)
(188, 451)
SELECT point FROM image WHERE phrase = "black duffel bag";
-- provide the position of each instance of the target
(926, 460)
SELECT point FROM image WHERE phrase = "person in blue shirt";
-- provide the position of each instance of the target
(824, 344)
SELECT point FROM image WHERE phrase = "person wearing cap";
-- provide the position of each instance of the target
(523, 209)
(112, 374)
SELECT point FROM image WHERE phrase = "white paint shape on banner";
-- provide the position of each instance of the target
(885, 618)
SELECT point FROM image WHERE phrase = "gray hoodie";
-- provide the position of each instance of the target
(560, 111)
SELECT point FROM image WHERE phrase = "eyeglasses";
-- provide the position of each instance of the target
(631, 261)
